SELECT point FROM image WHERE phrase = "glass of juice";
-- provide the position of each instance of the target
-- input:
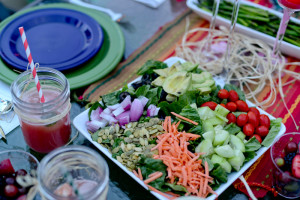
(286, 165)
(73, 172)
(47, 125)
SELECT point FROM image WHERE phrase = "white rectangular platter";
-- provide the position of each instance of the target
(79, 123)
(286, 48)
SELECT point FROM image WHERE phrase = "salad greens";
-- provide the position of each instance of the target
(216, 135)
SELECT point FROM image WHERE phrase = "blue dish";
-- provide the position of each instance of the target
(62, 39)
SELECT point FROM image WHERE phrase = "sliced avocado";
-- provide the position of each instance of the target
(201, 78)
(162, 72)
(204, 90)
(170, 98)
(178, 83)
(159, 81)
(188, 66)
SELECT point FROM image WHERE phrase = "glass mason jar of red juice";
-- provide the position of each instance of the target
(73, 172)
(47, 125)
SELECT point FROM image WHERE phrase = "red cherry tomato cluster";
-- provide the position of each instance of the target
(253, 123)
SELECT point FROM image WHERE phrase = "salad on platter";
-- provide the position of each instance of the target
(179, 132)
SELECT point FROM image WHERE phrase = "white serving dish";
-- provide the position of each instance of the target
(79, 123)
(286, 48)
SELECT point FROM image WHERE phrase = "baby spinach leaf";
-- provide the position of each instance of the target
(151, 65)
(252, 144)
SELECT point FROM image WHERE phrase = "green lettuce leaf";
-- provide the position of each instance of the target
(190, 113)
(275, 128)
(232, 128)
(111, 98)
(219, 173)
(149, 166)
(151, 65)
(252, 145)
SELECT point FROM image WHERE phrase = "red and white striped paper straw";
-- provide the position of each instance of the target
(31, 63)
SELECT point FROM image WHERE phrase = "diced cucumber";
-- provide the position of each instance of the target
(205, 113)
(222, 162)
(215, 121)
(209, 135)
(206, 147)
(224, 119)
(237, 143)
(241, 135)
(220, 137)
(237, 161)
(207, 126)
(225, 151)
(219, 127)
(221, 110)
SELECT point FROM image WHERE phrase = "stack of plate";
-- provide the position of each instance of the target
(82, 43)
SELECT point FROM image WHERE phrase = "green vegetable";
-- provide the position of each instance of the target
(190, 113)
(252, 145)
(275, 128)
(232, 128)
(111, 98)
(150, 65)
(95, 136)
(149, 166)
(255, 18)
(178, 188)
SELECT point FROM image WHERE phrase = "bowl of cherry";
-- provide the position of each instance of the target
(285, 154)
(14, 163)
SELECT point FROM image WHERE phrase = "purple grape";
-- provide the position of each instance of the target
(10, 180)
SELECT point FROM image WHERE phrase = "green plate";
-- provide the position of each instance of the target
(100, 65)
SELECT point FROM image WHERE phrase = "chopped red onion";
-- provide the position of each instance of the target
(124, 120)
(108, 117)
(95, 125)
(118, 111)
(144, 100)
(114, 107)
(126, 103)
(152, 111)
(95, 115)
(107, 111)
(126, 113)
(136, 110)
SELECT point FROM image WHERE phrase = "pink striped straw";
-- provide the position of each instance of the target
(33, 69)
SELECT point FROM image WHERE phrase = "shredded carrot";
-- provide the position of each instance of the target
(182, 165)
(153, 178)
(184, 118)
(140, 174)
(135, 173)
(159, 192)
(154, 173)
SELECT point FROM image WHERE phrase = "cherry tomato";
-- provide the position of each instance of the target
(262, 131)
(248, 129)
(10, 191)
(233, 95)
(231, 106)
(222, 104)
(255, 110)
(242, 106)
(241, 120)
(231, 118)
(257, 137)
(253, 118)
(212, 105)
(264, 120)
(223, 94)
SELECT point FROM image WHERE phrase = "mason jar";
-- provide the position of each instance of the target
(47, 125)
(73, 172)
